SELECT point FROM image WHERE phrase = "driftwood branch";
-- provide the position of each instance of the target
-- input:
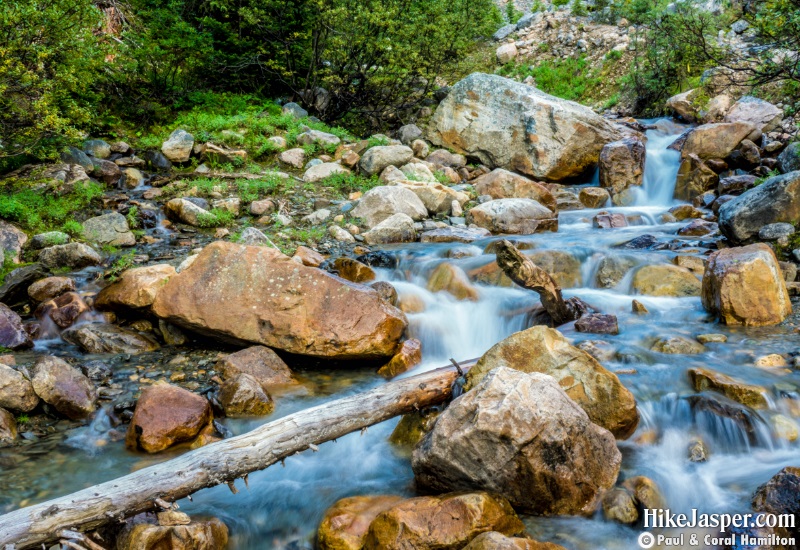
(527, 274)
(222, 462)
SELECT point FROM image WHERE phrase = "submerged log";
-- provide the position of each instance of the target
(224, 461)
(527, 274)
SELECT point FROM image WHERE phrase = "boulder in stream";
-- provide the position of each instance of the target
(71, 255)
(136, 288)
(513, 216)
(502, 184)
(622, 165)
(242, 395)
(12, 333)
(498, 541)
(108, 338)
(210, 534)
(16, 391)
(64, 387)
(261, 363)
(345, 524)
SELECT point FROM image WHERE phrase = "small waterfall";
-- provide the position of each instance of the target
(661, 165)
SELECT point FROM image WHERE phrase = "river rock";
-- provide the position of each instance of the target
(607, 220)
(293, 157)
(735, 185)
(185, 211)
(645, 492)
(132, 178)
(561, 462)
(243, 395)
(666, 280)
(409, 356)
(706, 379)
(50, 287)
(398, 228)
(511, 125)
(8, 427)
(775, 200)
(611, 270)
(455, 234)
(107, 338)
(763, 115)
(64, 387)
(12, 334)
(694, 178)
(498, 541)
(16, 391)
(109, 229)
(540, 349)
(318, 137)
(97, 148)
(560, 265)
(260, 362)
(437, 198)
(621, 165)
(352, 270)
(73, 155)
(452, 278)
(789, 159)
(166, 415)
(178, 148)
(683, 105)
(415, 171)
(513, 216)
(698, 228)
(378, 158)
(715, 140)
(597, 323)
(14, 291)
(776, 231)
(64, 310)
(209, 534)
(279, 303)
(502, 184)
(779, 496)
(593, 197)
(107, 172)
(745, 286)
(323, 171)
(12, 240)
(677, 345)
(413, 427)
(443, 157)
(72, 255)
(445, 522)
(619, 506)
(381, 202)
(136, 288)
(308, 256)
(345, 524)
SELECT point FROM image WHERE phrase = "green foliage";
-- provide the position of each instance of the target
(537, 6)
(122, 263)
(344, 184)
(36, 209)
(559, 3)
(132, 217)
(73, 228)
(579, 8)
(571, 78)
(217, 217)
(49, 61)
(512, 13)
(377, 141)
(613, 55)
(23, 419)
(8, 265)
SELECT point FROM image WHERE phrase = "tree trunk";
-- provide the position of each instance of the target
(224, 461)
(527, 274)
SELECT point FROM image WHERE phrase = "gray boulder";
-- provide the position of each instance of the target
(789, 159)
(72, 255)
(97, 148)
(294, 110)
(378, 158)
(178, 148)
(513, 216)
(762, 114)
(408, 133)
(107, 338)
(775, 200)
(109, 229)
(381, 202)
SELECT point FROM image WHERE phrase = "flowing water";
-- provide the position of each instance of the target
(283, 505)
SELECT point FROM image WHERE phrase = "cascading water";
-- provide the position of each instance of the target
(284, 505)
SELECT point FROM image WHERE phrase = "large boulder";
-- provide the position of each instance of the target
(519, 435)
(345, 524)
(397, 228)
(72, 255)
(694, 178)
(50, 287)
(745, 286)
(63, 310)
(261, 363)
(379, 203)
(513, 216)
(445, 522)
(16, 391)
(437, 198)
(252, 294)
(210, 534)
(762, 114)
(166, 415)
(511, 125)
(136, 288)
(715, 140)
(666, 280)
(544, 350)
(775, 200)
(64, 387)
(378, 158)
(12, 333)
(502, 184)
(622, 165)
(178, 148)
(706, 379)
(108, 338)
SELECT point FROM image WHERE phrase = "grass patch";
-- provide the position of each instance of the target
(571, 78)
(217, 217)
(37, 210)
(122, 263)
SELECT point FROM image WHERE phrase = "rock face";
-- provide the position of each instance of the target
(382, 202)
(544, 350)
(445, 522)
(378, 158)
(502, 184)
(779, 496)
(789, 159)
(716, 140)
(12, 334)
(346, 523)
(521, 436)
(107, 338)
(279, 303)
(745, 286)
(166, 415)
(136, 288)
(513, 216)
(74, 255)
(63, 387)
(261, 363)
(16, 391)
(666, 280)
(775, 200)
(763, 115)
(178, 147)
(211, 534)
(507, 124)
(622, 165)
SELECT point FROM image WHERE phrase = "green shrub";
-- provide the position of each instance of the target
(579, 9)
(571, 78)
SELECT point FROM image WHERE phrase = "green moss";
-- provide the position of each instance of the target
(37, 209)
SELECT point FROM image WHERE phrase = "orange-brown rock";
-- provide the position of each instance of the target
(136, 288)
(166, 415)
(308, 256)
(346, 523)
(197, 535)
(716, 140)
(498, 541)
(502, 184)
(409, 356)
(258, 295)
(261, 363)
(63, 310)
(353, 270)
(441, 522)
(63, 387)
(50, 287)
(242, 395)
(746, 394)
(452, 278)
(745, 286)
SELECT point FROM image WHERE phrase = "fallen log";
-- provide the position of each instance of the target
(224, 461)
(527, 274)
